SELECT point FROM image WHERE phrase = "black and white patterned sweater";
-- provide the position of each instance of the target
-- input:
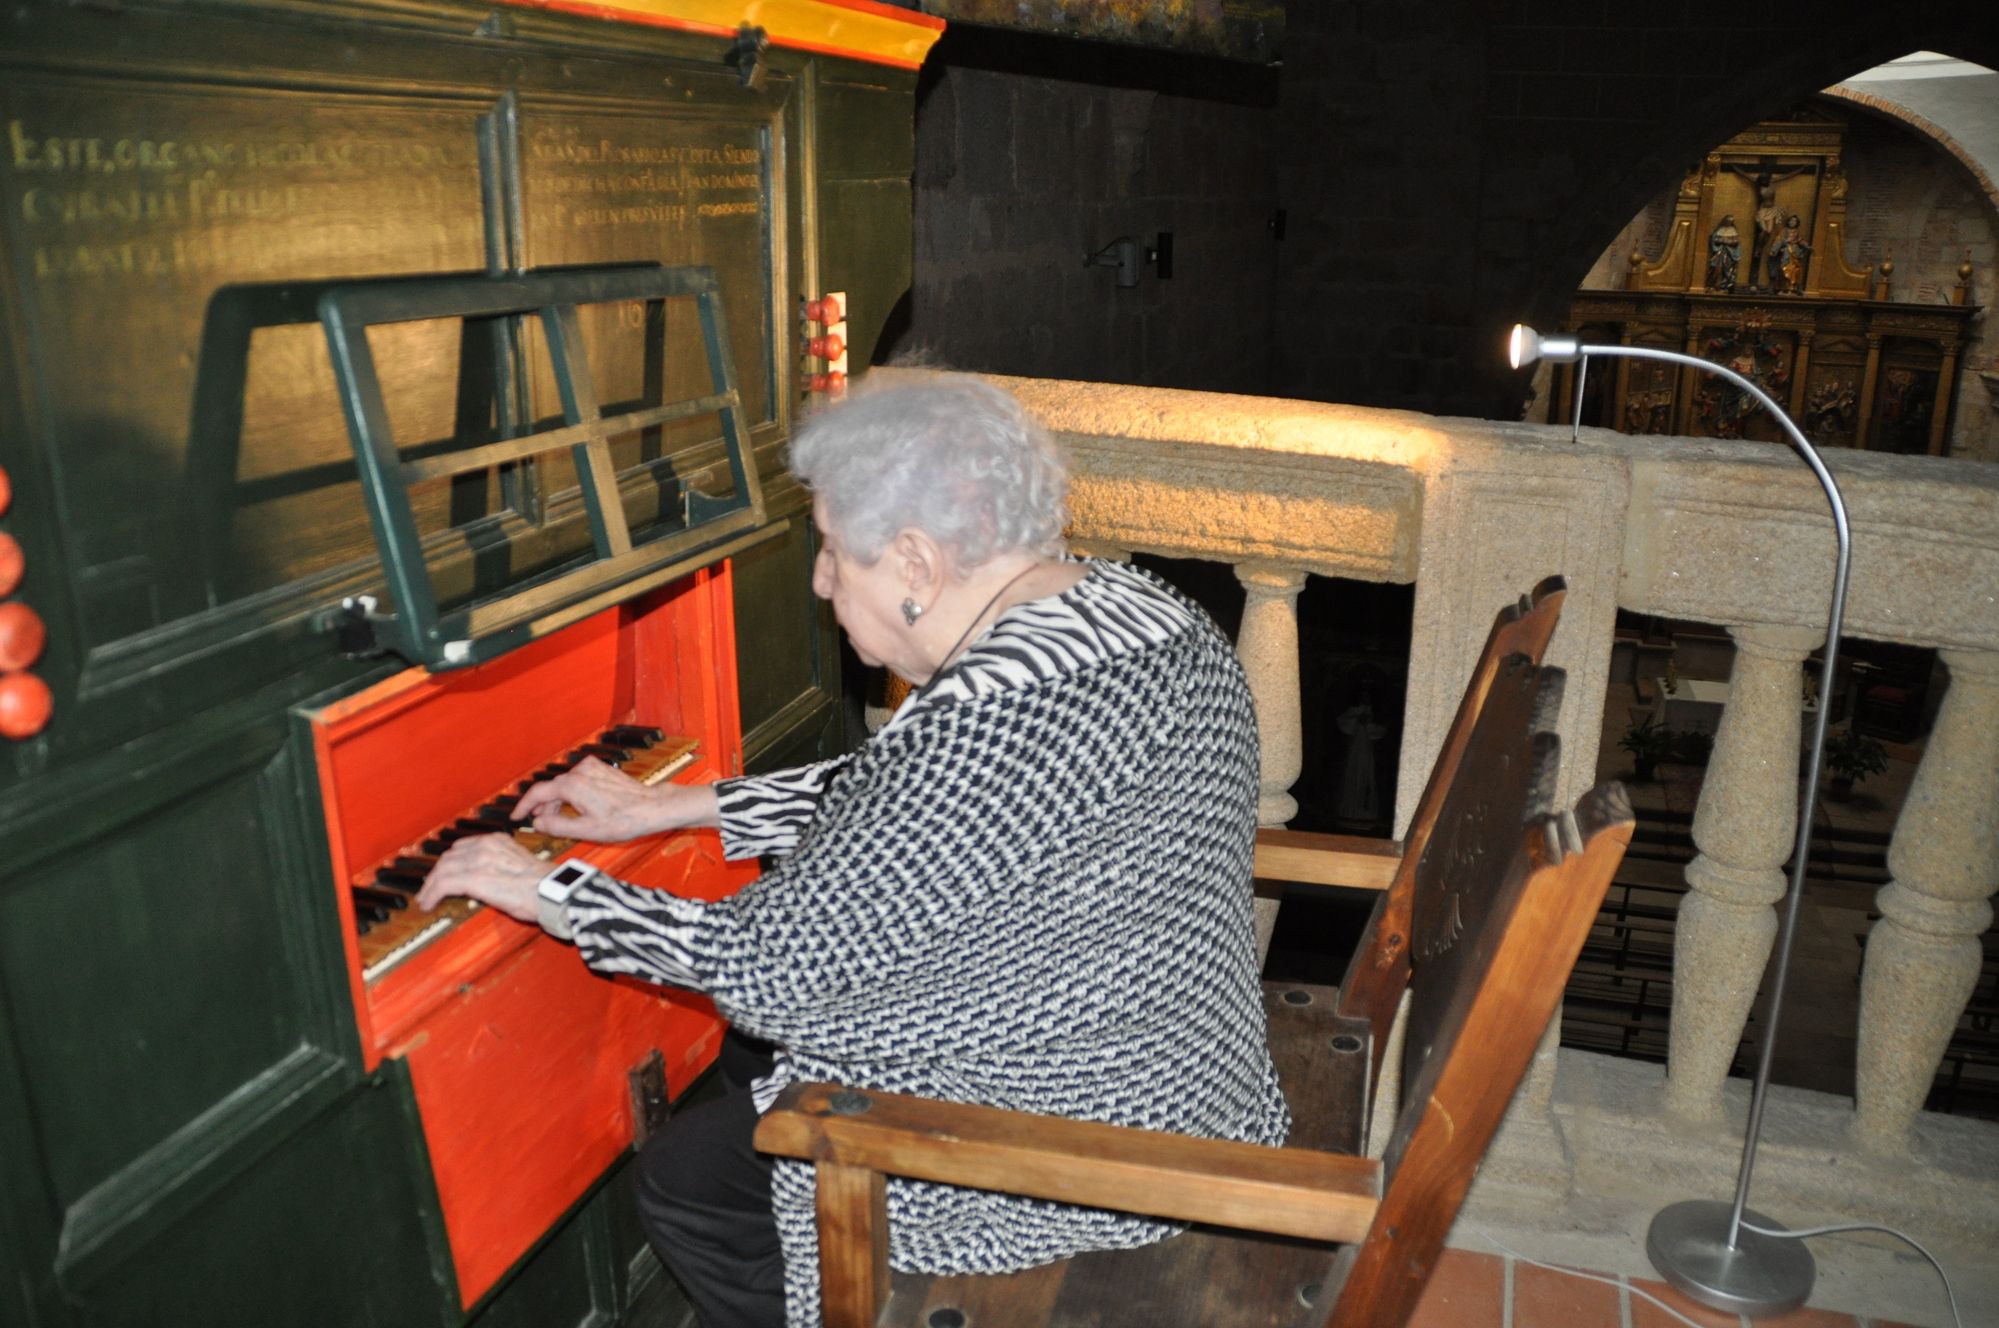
(1030, 890)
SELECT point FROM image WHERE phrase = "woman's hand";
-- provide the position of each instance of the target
(492, 869)
(594, 801)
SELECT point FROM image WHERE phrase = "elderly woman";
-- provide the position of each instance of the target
(1029, 890)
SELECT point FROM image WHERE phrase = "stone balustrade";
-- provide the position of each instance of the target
(1735, 534)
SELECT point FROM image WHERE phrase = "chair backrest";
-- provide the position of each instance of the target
(1501, 897)
(1379, 971)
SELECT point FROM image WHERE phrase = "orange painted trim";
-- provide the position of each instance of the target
(888, 11)
(350, 942)
(850, 29)
(388, 689)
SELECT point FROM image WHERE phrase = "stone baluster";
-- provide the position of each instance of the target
(1923, 955)
(1268, 646)
(1744, 827)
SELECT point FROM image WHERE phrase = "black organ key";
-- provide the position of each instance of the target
(482, 825)
(368, 913)
(403, 883)
(500, 809)
(603, 752)
(442, 839)
(385, 899)
(415, 866)
(631, 735)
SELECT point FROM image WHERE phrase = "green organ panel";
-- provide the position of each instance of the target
(323, 1233)
(186, 1135)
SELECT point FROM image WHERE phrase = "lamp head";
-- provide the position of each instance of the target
(1526, 346)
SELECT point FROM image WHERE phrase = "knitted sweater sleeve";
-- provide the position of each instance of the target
(823, 945)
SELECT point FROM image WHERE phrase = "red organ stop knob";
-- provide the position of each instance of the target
(21, 636)
(825, 382)
(25, 704)
(12, 563)
(826, 346)
(825, 309)
(6, 491)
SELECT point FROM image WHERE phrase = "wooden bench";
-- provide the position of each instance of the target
(1480, 917)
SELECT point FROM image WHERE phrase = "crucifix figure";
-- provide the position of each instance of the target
(1769, 216)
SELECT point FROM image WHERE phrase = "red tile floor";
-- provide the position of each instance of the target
(1470, 1290)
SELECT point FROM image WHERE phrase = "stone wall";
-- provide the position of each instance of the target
(1447, 167)
(1018, 176)
(1930, 216)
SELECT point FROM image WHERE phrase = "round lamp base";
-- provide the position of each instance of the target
(1761, 1275)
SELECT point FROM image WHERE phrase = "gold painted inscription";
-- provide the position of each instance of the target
(600, 188)
(600, 182)
(118, 203)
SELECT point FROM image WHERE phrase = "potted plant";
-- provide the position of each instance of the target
(1649, 743)
(1851, 756)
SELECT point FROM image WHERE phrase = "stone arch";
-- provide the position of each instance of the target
(1638, 149)
(1934, 132)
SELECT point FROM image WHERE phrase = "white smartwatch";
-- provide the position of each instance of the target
(552, 897)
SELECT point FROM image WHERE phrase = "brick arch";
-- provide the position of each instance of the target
(1938, 135)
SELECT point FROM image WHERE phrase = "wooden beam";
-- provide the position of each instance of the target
(1316, 859)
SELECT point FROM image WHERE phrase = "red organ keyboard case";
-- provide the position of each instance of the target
(489, 1012)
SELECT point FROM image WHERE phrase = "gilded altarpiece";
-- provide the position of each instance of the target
(1753, 275)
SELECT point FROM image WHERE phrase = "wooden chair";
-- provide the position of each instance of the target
(1482, 914)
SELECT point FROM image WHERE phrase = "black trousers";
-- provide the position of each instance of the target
(704, 1196)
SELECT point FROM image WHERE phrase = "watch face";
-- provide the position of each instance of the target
(559, 884)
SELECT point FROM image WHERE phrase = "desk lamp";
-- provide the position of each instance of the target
(1701, 1246)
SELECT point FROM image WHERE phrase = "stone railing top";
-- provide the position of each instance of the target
(1108, 412)
(1713, 530)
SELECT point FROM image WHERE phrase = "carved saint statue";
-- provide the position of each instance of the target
(1788, 253)
(1724, 254)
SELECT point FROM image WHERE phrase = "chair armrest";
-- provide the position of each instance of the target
(1316, 859)
(1285, 1191)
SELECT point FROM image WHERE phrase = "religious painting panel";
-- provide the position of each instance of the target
(1648, 397)
(1598, 386)
(1905, 404)
(1759, 352)
(1834, 386)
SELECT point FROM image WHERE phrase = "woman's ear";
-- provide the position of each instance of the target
(919, 564)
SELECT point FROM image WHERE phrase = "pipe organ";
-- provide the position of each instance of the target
(391, 411)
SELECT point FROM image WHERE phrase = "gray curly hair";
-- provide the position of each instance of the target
(949, 455)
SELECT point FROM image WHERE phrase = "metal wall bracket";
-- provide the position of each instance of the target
(747, 55)
(650, 1105)
(353, 627)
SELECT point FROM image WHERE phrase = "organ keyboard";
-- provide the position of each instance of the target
(490, 1014)
(392, 929)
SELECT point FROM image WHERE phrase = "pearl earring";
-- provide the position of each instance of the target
(911, 611)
